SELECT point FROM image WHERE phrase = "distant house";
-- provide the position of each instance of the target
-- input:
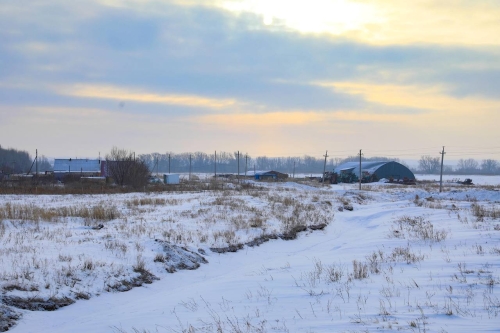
(84, 167)
(270, 175)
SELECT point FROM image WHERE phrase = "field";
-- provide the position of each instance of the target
(254, 257)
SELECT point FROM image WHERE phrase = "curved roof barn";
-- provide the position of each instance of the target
(376, 170)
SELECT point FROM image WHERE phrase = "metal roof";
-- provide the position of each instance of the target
(369, 167)
(76, 165)
(382, 169)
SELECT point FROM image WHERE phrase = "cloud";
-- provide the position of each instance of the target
(137, 95)
(431, 98)
(193, 50)
(382, 22)
(219, 71)
(295, 118)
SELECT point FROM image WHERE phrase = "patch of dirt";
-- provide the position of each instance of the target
(180, 258)
(11, 287)
(37, 303)
(260, 240)
(348, 207)
(230, 248)
(8, 318)
(320, 226)
(145, 277)
(290, 235)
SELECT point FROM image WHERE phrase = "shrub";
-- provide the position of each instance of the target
(359, 270)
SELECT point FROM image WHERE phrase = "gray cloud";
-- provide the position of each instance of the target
(209, 52)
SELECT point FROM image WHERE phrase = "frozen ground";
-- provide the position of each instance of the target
(405, 258)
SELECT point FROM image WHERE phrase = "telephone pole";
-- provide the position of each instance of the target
(189, 166)
(169, 163)
(360, 154)
(441, 177)
(293, 175)
(238, 166)
(36, 167)
(324, 168)
(157, 162)
(215, 164)
(246, 164)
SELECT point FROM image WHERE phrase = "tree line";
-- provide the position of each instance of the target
(18, 161)
(432, 165)
(227, 162)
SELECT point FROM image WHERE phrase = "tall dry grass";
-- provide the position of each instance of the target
(33, 213)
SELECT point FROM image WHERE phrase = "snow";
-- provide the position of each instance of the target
(431, 265)
(477, 179)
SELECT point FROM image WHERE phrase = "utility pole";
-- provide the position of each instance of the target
(169, 163)
(157, 160)
(189, 166)
(215, 164)
(293, 174)
(324, 167)
(441, 177)
(360, 154)
(238, 166)
(36, 167)
(246, 164)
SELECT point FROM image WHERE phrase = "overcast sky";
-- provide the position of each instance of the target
(265, 77)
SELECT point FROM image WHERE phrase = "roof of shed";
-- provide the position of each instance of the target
(369, 167)
(76, 165)
(269, 172)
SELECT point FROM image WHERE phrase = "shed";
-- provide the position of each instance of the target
(86, 167)
(270, 175)
(373, 171)
(171, 179)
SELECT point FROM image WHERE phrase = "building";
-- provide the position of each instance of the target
(270, 175)
(83, 167)
(171, 179)
(373, 172)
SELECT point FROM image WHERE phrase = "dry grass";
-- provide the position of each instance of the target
(150, 201)
(417, 228)
(481, 212)
(33, 213)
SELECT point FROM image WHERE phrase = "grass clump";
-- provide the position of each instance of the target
(480, 212)
(417, 228)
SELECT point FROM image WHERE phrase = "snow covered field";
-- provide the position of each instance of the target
(405, 258)
(477, 179)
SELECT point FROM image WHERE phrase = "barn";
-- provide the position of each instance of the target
(373, 172)
(270, 175)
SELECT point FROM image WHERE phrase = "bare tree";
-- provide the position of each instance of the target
(44, 164)
(489, 167)
(428, 164)
(467, 166)
(125, 169)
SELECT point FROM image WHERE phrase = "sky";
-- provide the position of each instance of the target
(264, 77)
